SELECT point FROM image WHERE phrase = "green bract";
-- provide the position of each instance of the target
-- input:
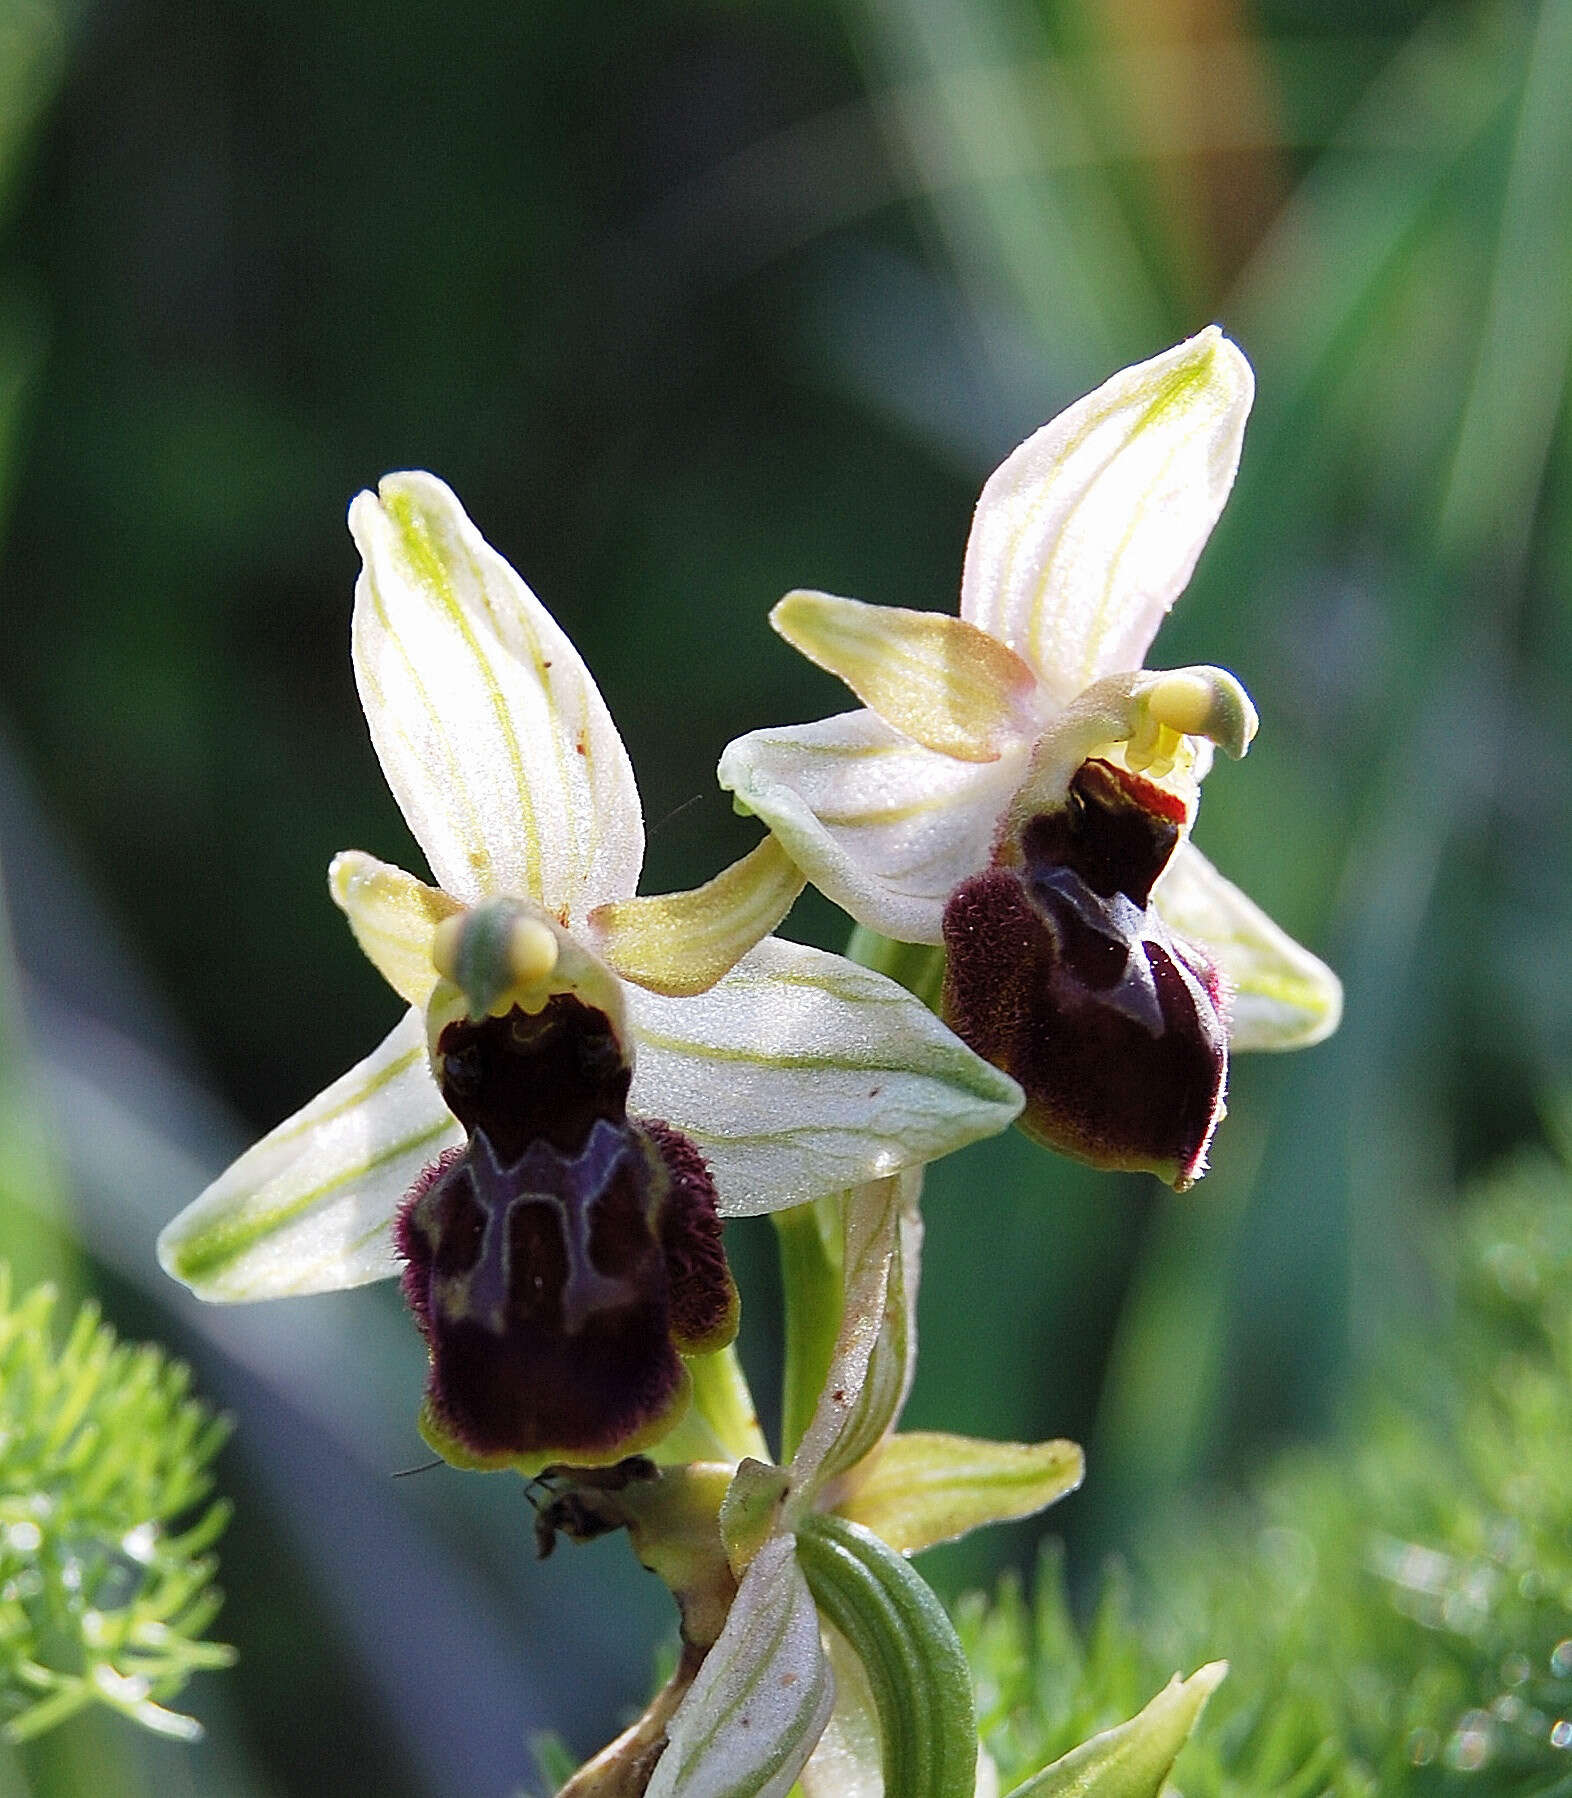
(799, 1533)
(1132, 1760)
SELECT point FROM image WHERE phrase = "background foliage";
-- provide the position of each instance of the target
(692, 303)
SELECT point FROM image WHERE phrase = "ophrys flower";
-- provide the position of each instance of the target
(1020, 790)
(584, 1076)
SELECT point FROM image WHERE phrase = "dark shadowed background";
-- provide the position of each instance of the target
(693, 304)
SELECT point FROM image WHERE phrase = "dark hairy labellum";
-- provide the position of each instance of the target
(1060, 972)
(564, 1259)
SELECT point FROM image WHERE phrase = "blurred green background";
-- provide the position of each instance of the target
(692, 304)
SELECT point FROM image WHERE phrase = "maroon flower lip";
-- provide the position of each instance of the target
(1061, 972)
(562, 1261)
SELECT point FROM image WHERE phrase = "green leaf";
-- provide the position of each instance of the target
(1134, 1759)
(908, 1648)
(927, 1487)
(760, 1700)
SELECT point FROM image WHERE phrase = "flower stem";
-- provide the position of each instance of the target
(722, 1399)
(919, 967)
(810, 1248)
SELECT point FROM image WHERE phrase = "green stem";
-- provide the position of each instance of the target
(723, 1403)
(810, 1248)
(810, 1235)
(919, 967)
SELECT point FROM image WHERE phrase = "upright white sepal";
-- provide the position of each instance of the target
(307, 1209)
(493, 736)
(1086, 535)
(801, 1074)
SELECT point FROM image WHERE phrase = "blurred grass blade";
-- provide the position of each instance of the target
(1520, 376)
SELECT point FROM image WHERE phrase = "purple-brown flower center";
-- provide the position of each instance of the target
(562, 1260)
(1061, 972)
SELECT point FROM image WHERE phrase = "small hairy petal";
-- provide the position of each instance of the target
(681, 943)
(939, 680)
(394, 918)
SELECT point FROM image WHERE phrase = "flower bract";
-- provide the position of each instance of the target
(1020, 790)
(585, 1079)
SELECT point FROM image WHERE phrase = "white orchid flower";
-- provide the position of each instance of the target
(1020, 790)
(584, 1078)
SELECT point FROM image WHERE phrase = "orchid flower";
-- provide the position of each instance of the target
(585, 1080)
(1020, 790)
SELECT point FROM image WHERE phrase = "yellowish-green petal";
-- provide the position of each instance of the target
(801, 1074)
(927, 1487)
(682, 943)
(881, 825)
(394, 918)
(310, 1207)
(939, 680)
(1283, 997)
(1087, 533)
(491, 732)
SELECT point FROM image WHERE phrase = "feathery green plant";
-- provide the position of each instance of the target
(104, 1600)
(1397, 1609)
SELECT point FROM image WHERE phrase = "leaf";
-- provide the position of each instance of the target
(761, 1698)
(1134, 1759)
(908, 1647)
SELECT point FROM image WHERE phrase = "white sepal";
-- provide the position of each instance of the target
(1087, 533)
(308, 1208)
(762, 1696)
(492, 734)
(1283, 997)
(884, 827)
(801, 1074)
